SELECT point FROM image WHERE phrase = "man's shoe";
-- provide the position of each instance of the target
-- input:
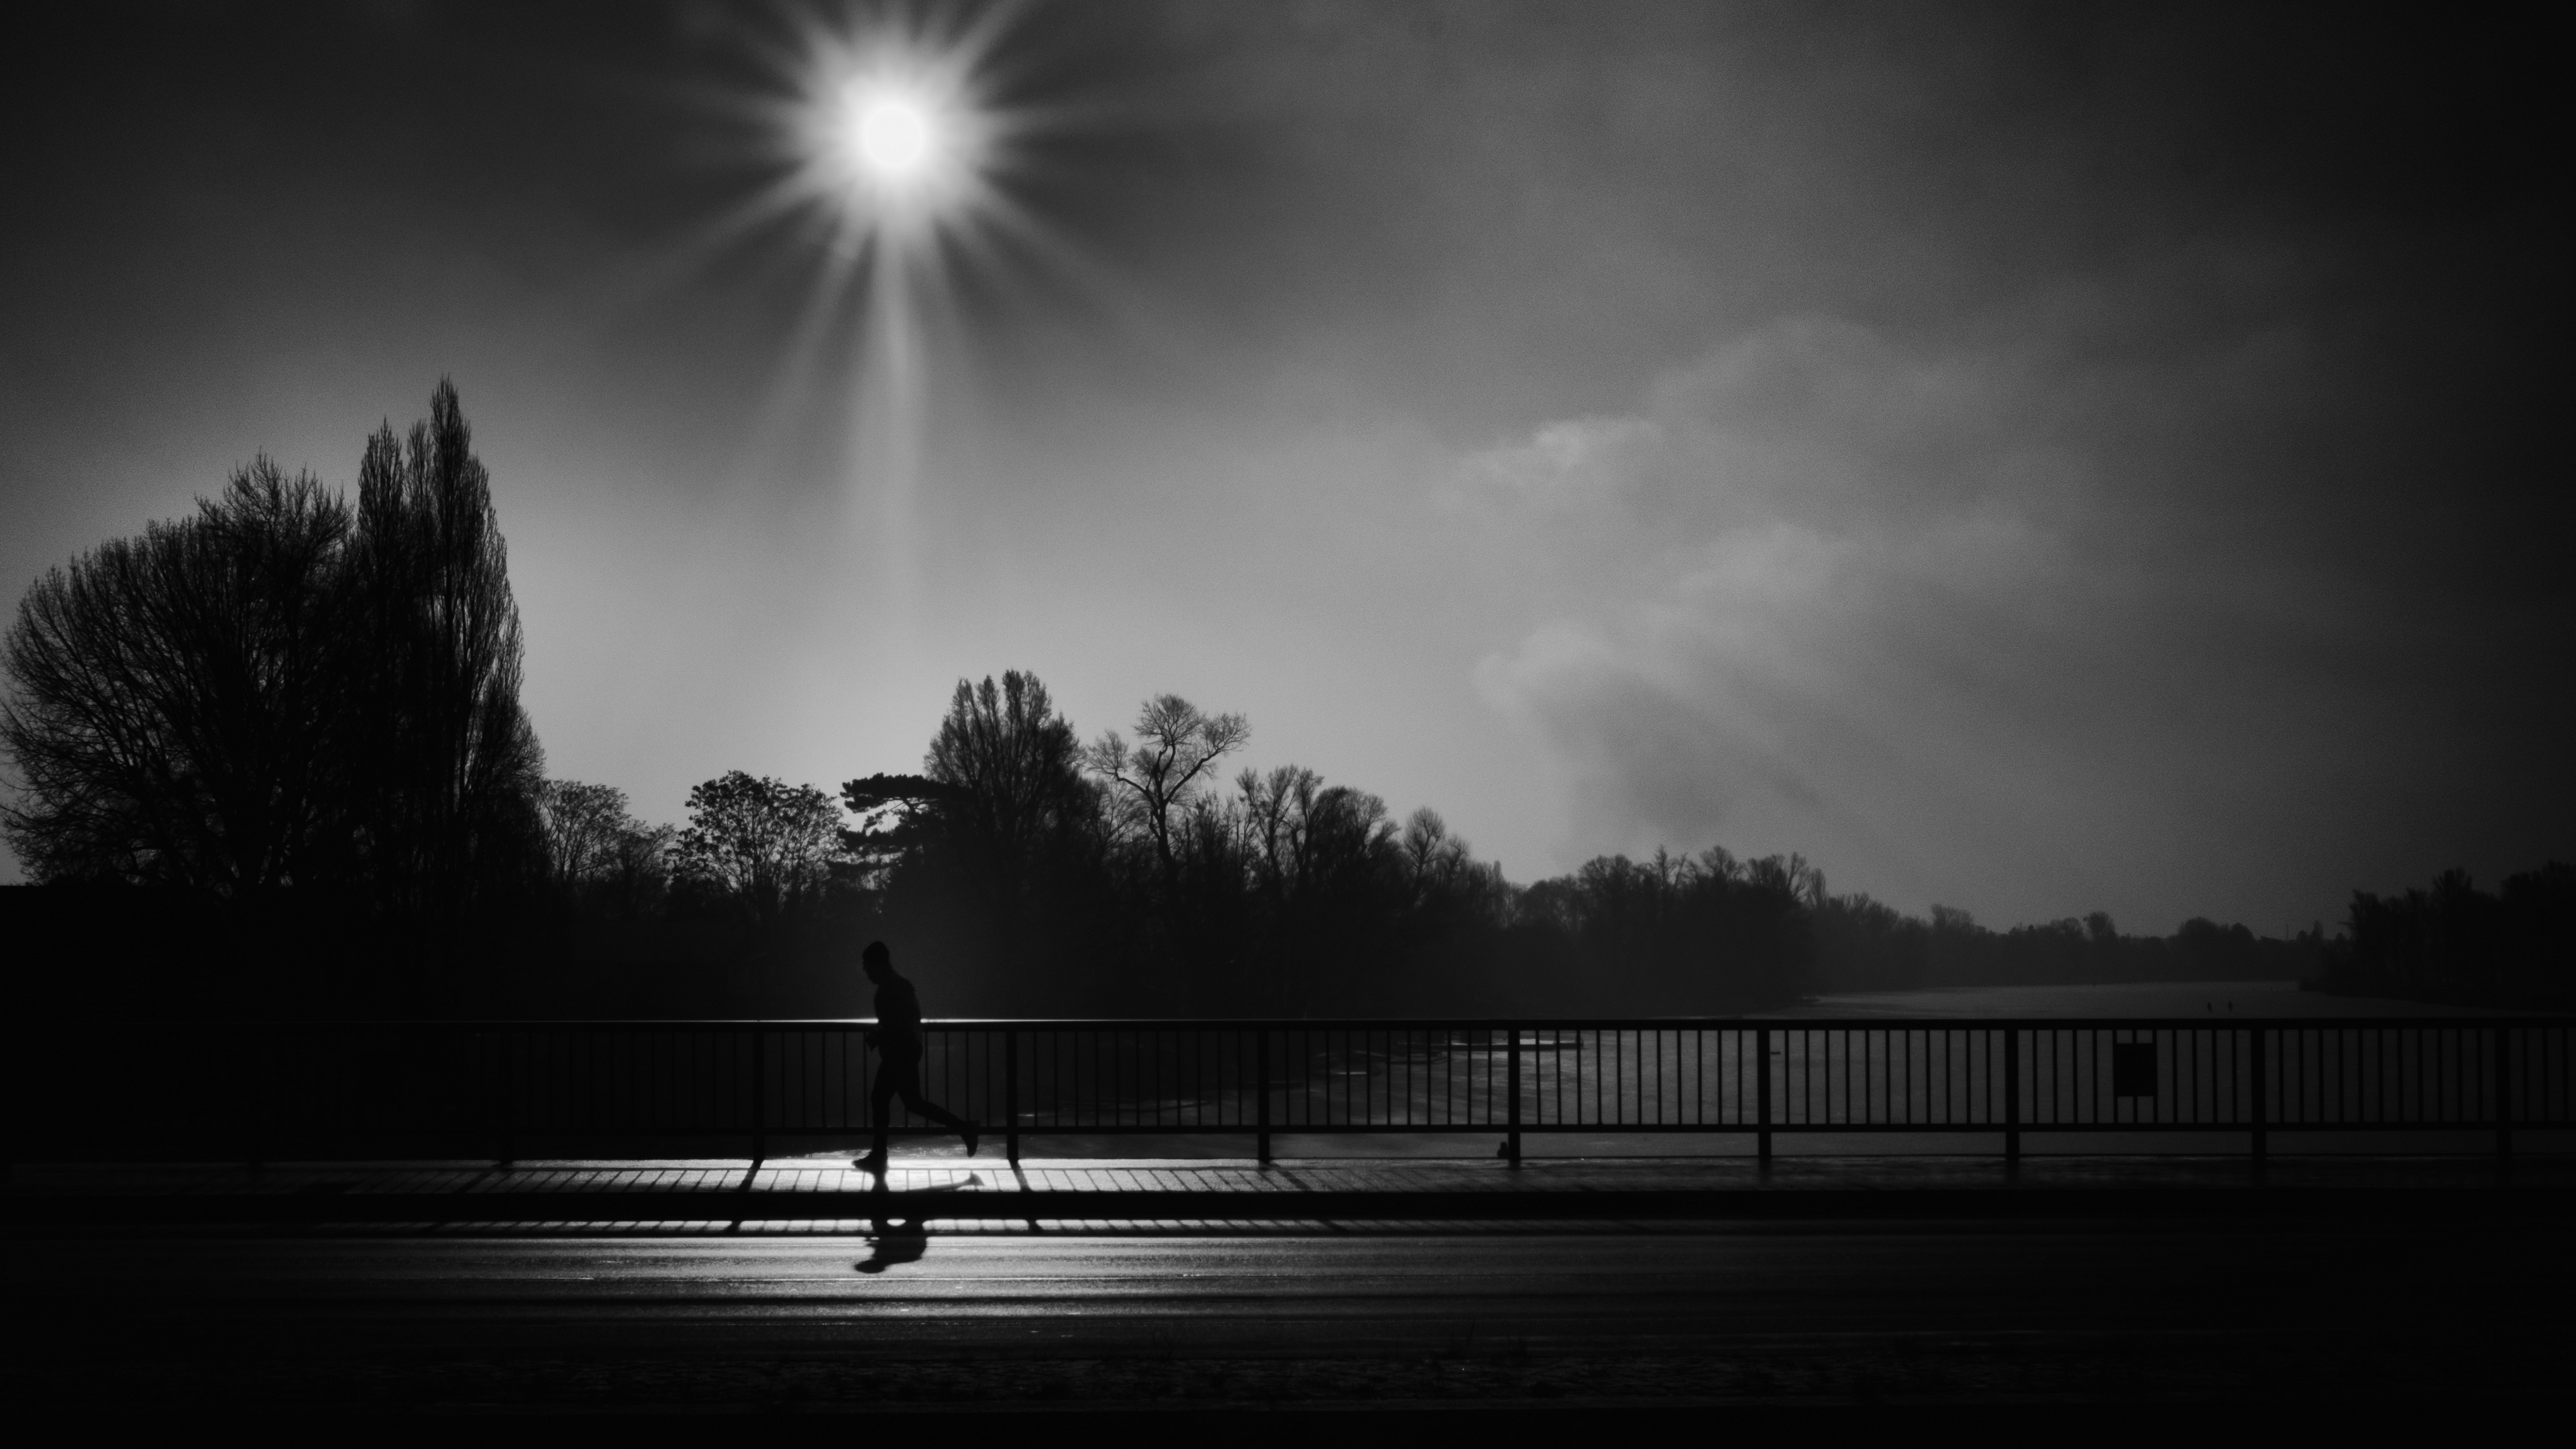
(871, 1163)
(972, 1137)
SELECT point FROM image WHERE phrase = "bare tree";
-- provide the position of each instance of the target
(1436, 861)
(1276, 809)
(1314, 839)
(765, 844)
(1351, 845)
(1176, 748)
(177, 699)
(639, 870)
(584, 825)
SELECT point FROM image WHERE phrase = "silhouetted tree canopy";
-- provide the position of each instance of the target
(2454, 942)
(765, 846)
(1031, 872)
(283, 693)
(180, 707)
(585, 827)
(1008, 767)
(1152, 784)
(447, 777)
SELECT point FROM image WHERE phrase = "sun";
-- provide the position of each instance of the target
(897, 141)
(894, 134)
(894, 138)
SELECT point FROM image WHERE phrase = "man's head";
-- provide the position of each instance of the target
(877, 961)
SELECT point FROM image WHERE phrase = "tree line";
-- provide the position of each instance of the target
(1131, 875)
(280, 741)
(2513, 946)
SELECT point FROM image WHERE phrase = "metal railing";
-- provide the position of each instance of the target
(503, 1088)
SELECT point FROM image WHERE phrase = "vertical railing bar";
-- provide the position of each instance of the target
(2262, 1097)
(2501, 1044)
(759, 1096)
(254, 1105)
(1261, 1093)
(1011, 1097)
(1762, 1093)
(2334, 1066)
(509, 1098)
(1900, 1090)
(1814, 1049)
(2012, 1096)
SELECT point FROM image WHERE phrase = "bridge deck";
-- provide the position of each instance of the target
(958, 1189)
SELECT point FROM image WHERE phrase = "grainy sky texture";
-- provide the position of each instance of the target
(2028, 458)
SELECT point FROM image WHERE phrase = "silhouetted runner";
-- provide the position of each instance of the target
(897, 1038)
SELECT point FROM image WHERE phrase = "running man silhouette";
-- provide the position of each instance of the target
(897, 1038)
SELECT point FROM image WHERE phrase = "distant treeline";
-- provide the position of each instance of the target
(1863, 945)
(1035, 874)
(271, 759)
(2456, 943)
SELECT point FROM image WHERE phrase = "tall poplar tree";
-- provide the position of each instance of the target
(447, 777)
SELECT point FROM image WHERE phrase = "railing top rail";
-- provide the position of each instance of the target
(1398, 1024)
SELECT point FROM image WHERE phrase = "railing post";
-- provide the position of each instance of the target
(759, 1095)
(1011, 1097)
(509, 1099)
(1512, 1114)
(2262, 1096)
(2012, 1096)
(254, 1149)
(2503, 1094)
(1762, 1093)
(1261, 1095)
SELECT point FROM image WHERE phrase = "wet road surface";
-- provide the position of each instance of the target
(1299, 1314)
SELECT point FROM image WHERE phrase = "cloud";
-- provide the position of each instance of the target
(1812, 590)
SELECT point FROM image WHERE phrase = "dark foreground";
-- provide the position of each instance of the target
(2370, 1317)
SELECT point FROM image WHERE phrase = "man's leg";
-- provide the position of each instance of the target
(881, 1095)
(921, 1106)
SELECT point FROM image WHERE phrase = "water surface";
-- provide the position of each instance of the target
(2209, 1000)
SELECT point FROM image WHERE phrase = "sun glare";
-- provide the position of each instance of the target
(893, 137)
(896, 150)
(896, 141)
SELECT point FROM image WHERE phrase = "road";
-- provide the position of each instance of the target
(1955, 1312)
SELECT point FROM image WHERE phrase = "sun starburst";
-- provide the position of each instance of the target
(893, 147)
(896, 137)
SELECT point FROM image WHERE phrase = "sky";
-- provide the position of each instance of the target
(2033, 459)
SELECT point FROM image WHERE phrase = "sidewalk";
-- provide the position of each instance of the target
(1038, 1191)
